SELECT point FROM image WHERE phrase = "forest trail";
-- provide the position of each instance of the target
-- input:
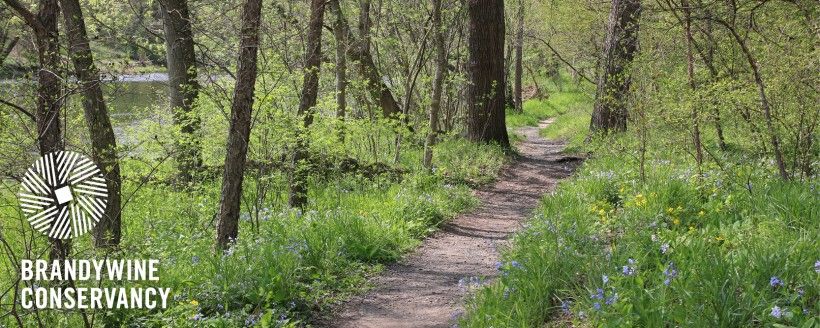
(423, 289)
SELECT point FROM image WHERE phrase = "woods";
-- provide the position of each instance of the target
(275, 156)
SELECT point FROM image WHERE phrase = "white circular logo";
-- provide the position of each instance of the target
(63, 195)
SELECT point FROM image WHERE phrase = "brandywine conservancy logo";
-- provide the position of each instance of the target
(63, 195)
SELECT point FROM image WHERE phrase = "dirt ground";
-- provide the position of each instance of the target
(423, 289)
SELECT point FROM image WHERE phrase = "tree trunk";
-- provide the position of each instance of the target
(438, 82)
(359, 52)
(519, 57)
(620, 47)
(6, 51)
(240, 127)
(341, 72)
(764, 102)
(690, 73)
(107, 232)
(485, 95)
(183, 85)
(313, 60)
(49, 137)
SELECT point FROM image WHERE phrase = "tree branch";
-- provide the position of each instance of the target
(559, 57)
(21, 109)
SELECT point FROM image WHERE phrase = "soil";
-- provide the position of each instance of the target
(423, 289)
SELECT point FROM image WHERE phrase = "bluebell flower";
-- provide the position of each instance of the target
(777, 312)
(671, 272)
(565, 307)
(664, 248)
(817, 266)
(499, 266)
(605, 278)
(598, 295)
(596, 306)
(628, 270)
(198, 317)
(774, 281)
(611, 300)
(516, 265)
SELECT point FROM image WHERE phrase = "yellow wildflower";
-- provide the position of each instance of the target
(701, 213)
(194, 303)
(676, 221)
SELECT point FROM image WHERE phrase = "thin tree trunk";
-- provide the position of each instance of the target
(485, 100)
(690, 73)
(621, 45)
(519, 58)
(438, 83)
(764, 102)
(359, 52)
(183, 85)
(6, 51)
(108, 231)
(313, 60)
(240, 128)
(341, 72)
(49, 137)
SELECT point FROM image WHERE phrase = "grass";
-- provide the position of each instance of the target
(287, 266)
(732, 247)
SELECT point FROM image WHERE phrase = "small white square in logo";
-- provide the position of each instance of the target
(63, 195)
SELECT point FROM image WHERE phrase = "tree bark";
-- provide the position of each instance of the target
(438, 83)
(108, 231)
(49, 137)
(359, 52)
(341, 72)
(310, 89)
(621, 45)
(690, 73)
(182, 85)
(240, 127)
(519, 57)
(485, 95)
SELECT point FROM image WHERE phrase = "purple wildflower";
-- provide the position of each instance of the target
(597, 306)
(664, 248)
(628, 270)
(611, 300)
(774, 281)
(605, 279)
(516, 265)
(599, 295)
(565, 307)
(817, 266)
(777, 312)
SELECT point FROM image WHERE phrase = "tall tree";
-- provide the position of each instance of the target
(240, 126)
(103, 143)
(485, 95)
(7, 42)
(310, 90)
(339, 34)
(46, 36)
(438, 83)
(690, 74)
(359, 52)
(620, 46)
(519, 58)
(182, 84)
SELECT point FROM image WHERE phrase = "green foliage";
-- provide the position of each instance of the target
(671, 245)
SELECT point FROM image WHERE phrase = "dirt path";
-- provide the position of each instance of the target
(422, 290)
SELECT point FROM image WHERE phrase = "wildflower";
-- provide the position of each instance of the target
(565, 307)
(516, 265)
(582, 315)
(701, 213)
(676, 221)
(194, 303)
(251, 320)
(777, 312)
(195, 259)
(499, 266)
(605, 279)
(817, 266)
(198, 317)
(506, 293)
(664, 248)
(598, 295)
(629, 270)
(670, 272)
(774, 281)
(611, 300)
(597, 306)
